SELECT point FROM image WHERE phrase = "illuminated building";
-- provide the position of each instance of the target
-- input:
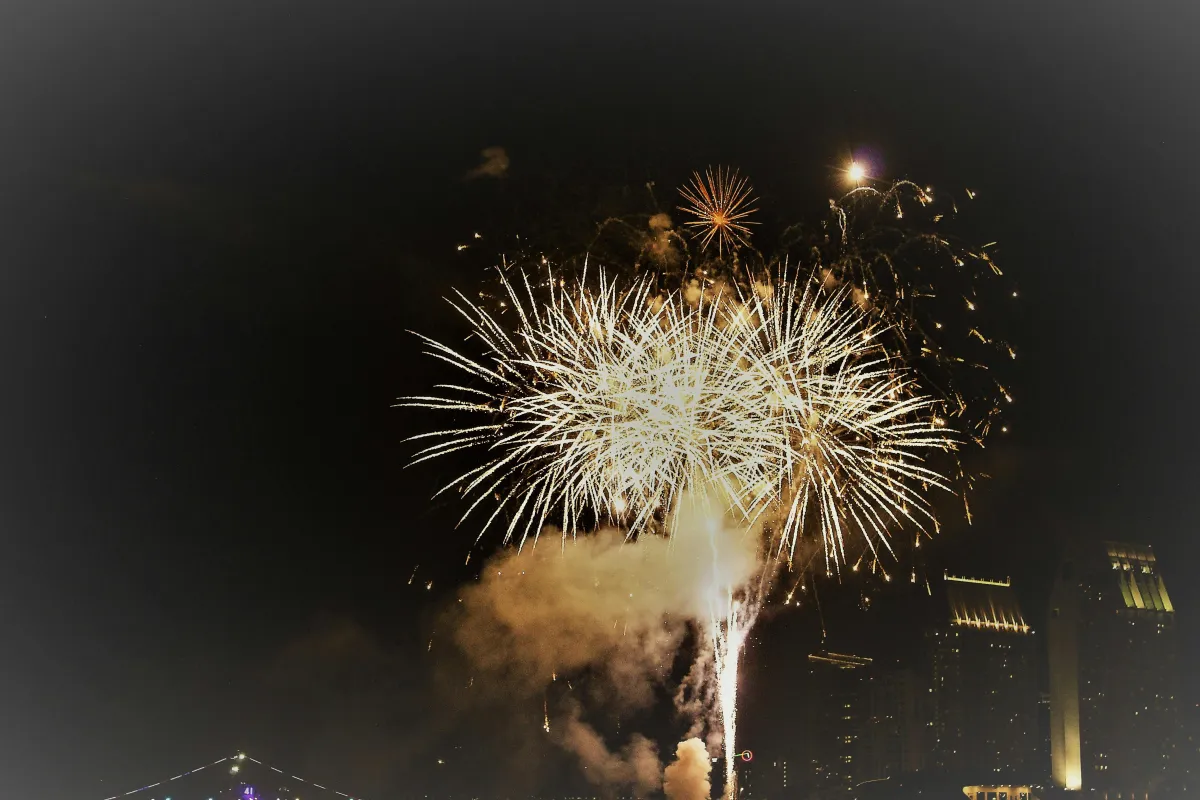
(999, 792)
(1112, 672)
(984, 687)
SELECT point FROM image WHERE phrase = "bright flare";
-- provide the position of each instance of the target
(856, 172)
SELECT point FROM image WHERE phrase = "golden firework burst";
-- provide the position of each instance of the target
(718, 200)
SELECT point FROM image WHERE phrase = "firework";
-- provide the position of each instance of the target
(785, 399)
(890, 246)
(599, 400)
(718, 200)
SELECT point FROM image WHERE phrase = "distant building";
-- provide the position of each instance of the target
(1112, 648)
(862, 721)
(894, 737)
(984, 692)
(836, 710)
(764, 780)
(1043, 725)
(991, 792)
(1188, 751)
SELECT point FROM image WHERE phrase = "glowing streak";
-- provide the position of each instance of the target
(730, 622)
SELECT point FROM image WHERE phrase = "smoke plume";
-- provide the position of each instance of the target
(615, 609)
(636, 766)
(493, 164)
(686, 778)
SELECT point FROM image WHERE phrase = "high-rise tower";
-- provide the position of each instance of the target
(985, 683)
(1112, 671)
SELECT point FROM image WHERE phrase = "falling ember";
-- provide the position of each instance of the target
(545, 716)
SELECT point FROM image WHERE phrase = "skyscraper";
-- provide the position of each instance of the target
(1112, 671)
(862, 722)
(894, 732)
(985, 683)
(837, 708)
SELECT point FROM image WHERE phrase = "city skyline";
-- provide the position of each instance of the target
(878, 718)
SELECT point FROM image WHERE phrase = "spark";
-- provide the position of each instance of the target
(856, 172)
(718, 200)
(609, 398)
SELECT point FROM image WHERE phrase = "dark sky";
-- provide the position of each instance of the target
(220, 221)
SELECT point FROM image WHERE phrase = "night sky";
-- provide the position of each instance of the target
(219, 223)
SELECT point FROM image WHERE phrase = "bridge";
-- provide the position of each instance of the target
(236, 777)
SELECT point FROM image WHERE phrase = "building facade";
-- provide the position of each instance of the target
(1113, 679)
(984, 687)
(863, 721)
(894, 738)
(837, 707)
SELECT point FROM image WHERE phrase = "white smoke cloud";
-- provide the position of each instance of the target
(686, 778)
(593, 602)
(617, 608)
(636, 766)
(660, 244)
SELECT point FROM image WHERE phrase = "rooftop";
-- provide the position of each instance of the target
(840, 660)
(1137, 577)
(984, 604)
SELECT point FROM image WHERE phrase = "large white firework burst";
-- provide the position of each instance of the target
(593, 401)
